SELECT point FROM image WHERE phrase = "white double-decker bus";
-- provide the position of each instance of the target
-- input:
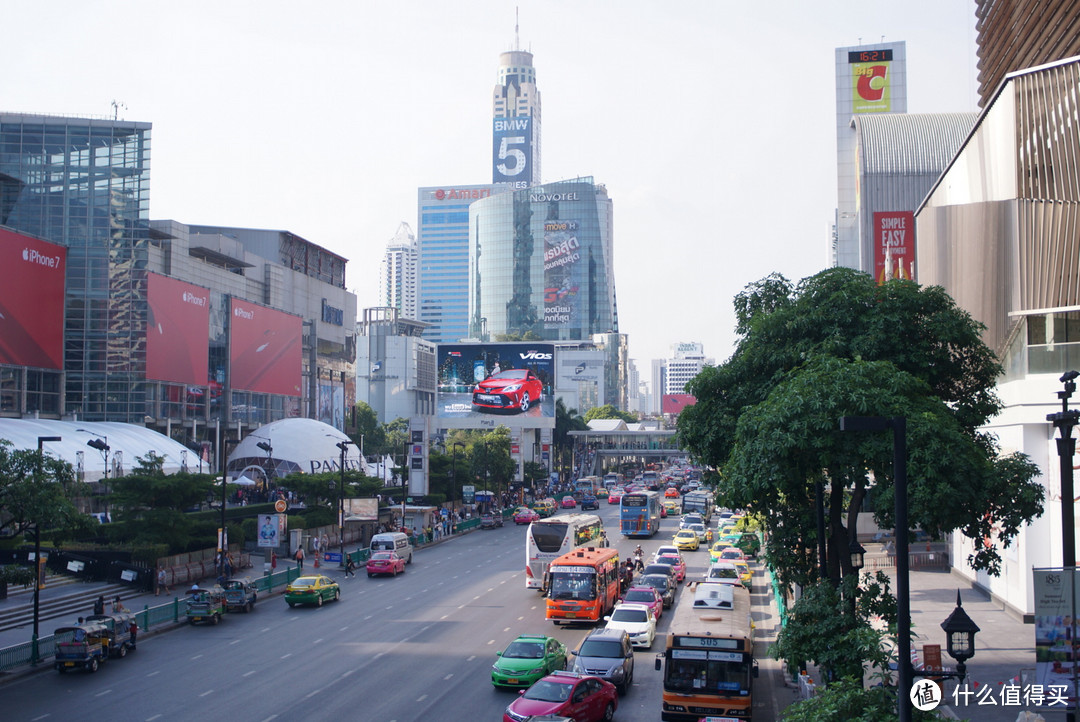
(550, 538)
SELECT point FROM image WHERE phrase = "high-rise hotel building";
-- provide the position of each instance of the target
(397, 273)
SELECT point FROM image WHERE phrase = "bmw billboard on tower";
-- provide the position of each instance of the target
(487, 385)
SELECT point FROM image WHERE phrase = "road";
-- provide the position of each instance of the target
(419, 646)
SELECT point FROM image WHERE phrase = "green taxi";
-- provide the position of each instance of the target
(312, 590)
(527, 659)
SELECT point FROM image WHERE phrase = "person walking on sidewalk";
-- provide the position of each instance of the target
(161, 582)
(350, 567)
(300, 558)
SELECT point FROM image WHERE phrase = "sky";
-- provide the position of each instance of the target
(712, 123)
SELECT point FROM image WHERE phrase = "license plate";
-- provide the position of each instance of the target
(511, 681)
(488, 398)
(69, 664)
(571, 615)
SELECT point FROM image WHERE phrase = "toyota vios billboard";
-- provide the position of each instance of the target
(488, 385)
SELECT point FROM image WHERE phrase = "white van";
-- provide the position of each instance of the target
(394, 541)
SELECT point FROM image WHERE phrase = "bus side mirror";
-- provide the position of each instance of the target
(659, 664)
(755, 670)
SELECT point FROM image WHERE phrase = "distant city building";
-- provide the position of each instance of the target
(869, 79)
(396, 374)
(659, 384)
(443, 244)
(397, 273)
(516, 121)
(540, 263)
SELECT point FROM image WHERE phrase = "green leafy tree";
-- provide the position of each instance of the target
(152, 504)
(37, 489)
(566, 420)
(607, 411)
(490, 461)
(839, 344)
(368, 426)
(845, 700)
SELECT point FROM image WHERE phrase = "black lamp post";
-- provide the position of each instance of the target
(101, 443)
(858, 555)
(223, 537)
(343, 445)
(1064, 421)
(37, 548)
(960, 637)
(404, 480)
(453, 469)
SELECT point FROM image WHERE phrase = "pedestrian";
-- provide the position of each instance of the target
(315, 545)
(99, 605)
(161, 581)
(325, 544)
(350, 567)
(299, 557)
(133, 630)
(228, 565)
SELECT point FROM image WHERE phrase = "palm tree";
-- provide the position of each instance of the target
(566, 420)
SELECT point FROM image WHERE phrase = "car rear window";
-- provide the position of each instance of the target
(600, 648)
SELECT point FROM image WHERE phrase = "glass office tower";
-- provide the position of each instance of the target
(85, 184)
(540, 263)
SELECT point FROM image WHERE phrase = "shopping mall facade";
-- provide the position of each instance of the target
(185, 329)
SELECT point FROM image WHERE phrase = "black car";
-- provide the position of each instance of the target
(663, 584)
(661, 568)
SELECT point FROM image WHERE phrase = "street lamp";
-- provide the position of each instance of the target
(453, 469)
(343, 445)
(1065, 420)
(857, 555)
(37, 547)
(268, 472)
(223, 536)
(404, 480)
(101, 443)
(960, 637)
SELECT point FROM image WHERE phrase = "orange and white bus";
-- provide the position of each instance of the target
(584, 585)
(709, 666)
(548, 539)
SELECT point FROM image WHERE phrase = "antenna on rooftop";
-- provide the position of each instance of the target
(116, 106)
(517, 37)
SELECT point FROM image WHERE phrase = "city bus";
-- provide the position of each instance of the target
(612, 480)
(549, 538)
(639, 513)
(708, 662)
(583, 586)
(586, 486)
(699, 502)
(651, 480)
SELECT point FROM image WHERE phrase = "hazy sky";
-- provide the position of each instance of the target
(710, 123)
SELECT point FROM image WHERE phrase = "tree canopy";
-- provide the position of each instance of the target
(839, 344)
(607, 411)
(37, 489)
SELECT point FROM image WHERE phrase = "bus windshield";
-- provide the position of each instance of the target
(549, 537)
(692, 670)
(573, 585)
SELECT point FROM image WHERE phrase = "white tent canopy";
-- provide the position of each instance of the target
(126, 442)
(303, 445)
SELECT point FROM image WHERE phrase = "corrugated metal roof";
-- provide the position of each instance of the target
(910, 143)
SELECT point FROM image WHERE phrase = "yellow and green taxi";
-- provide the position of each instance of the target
(686, 540)
(714, 551)
(314, 589)
(527, 659)
(601, 493)
(746, 576)
(673, 506)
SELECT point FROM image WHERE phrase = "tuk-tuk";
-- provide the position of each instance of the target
(240, 594)
(205, 605)
(83, 645)
(118, 628)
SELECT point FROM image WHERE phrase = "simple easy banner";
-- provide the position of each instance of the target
(177, 331)
(31, 301)
(264, 349)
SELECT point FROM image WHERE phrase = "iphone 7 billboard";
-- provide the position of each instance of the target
(496, 384)
(264, 349)
(31, 301)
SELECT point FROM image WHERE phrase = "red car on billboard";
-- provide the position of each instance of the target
(510, 389)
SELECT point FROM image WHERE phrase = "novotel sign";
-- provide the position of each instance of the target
(546, 197)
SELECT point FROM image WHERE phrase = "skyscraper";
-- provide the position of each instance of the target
(516, 120)
(397, 274)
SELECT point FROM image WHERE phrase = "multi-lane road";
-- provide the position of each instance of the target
(419, 646)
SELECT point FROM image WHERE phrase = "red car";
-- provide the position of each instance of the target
(510, 389)
(385, 563)
(568, 502)
(676, 562)
(581, 697)
(614, 496)
(647, 596)
(524, 515)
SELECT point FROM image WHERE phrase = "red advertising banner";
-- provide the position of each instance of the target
(894, 245)
(31, 301)
(264, 349)
(674, 403)
(177, 331)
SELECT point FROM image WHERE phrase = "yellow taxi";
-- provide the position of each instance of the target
(673, 506)
(686, 540)
(746, 576)
(314, 589)
(714, 552)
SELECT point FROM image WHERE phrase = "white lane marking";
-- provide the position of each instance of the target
(102, 694)
(265, 629)
(35, 719)
(317, 640)
(196, 657)
(461, 606)
(153, 673)
(491, 641)
(312, 693)
(448, 676)
(520, 618)
(342, 629)
(506, 629)
(443, 617)
(209, 691)
(285, 656)
(273, 716)
(346, 673)
(369, 616)
(421, 698)
(151, 719)
(248, 674)
(235, 641)
(471, 658)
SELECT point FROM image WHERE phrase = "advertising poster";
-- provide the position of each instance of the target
(31, 301)
(870, 87)
(512, 151)
(488, 385)
(1055, 629)
(561, 256)
(177, 331)
(264, 349)
(271, 529)
(894, 245)
(361, 509)
(674, 403)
